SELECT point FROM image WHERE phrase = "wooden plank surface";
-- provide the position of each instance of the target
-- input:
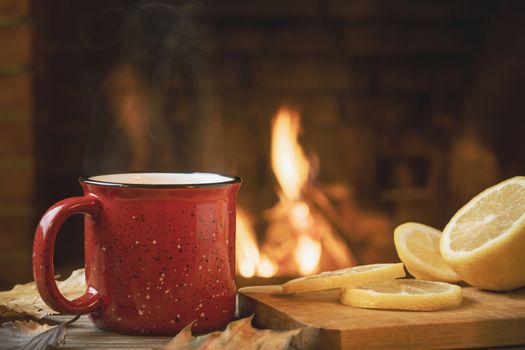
(82, 334)
(484, 319)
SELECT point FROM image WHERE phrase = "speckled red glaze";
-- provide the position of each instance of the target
(156, 258)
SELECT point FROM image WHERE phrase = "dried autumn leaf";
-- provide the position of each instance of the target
(28, 334)
(31, 335)
(18, 333)
(24, 300)
(238, 335)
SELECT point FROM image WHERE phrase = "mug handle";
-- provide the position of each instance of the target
(43, 251)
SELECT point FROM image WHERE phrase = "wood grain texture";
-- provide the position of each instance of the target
(82, 334)
(484, 319)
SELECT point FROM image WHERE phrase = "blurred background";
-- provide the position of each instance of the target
(393, 111)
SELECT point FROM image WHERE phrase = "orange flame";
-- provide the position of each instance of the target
(250, 261)
(289, 163)
(266, 267)
(291, 168)
(307, 254)
(247, 252)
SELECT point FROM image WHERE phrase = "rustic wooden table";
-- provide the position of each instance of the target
(82, 334)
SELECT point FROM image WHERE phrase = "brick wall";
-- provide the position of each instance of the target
(16, 142)
(379, 84)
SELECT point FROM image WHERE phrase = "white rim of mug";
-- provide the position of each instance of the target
(89, 181)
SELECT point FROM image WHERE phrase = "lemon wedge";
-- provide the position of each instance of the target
(484, 242)
(404, 294)
(348, 277)
(417, 246)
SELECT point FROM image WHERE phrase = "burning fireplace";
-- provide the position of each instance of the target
(344, 118)
(311, 228)
(299, 240)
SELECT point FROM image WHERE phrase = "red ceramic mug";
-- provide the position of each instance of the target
(159, 251)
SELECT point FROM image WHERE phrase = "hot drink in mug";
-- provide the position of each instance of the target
(159, 251)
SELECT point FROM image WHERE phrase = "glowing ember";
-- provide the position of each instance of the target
(300, 216)
(266, 268)
(307, 254)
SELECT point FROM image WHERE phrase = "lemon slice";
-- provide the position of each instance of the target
(484, 241)
(418, 248)
(405, 294)
(348, 277)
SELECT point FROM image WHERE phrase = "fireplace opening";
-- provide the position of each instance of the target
(299, 238)
(344, 119)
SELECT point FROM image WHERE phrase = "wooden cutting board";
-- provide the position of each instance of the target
(484, 319)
